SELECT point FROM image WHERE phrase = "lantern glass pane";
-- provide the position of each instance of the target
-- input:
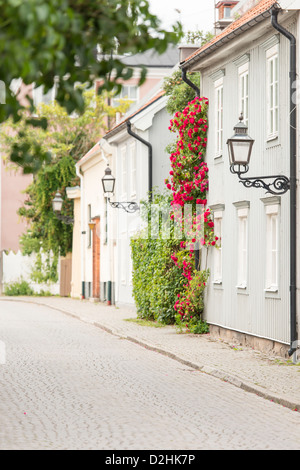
(240, 152)
(230, 153)
(57, 204)
(108, 184)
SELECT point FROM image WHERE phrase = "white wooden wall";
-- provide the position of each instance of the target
(251, 310)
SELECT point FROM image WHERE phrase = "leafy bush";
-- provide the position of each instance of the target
(166, 285)
(18, 288)
(178, 91)
(190, 304)
(161, 289)
(156, 279)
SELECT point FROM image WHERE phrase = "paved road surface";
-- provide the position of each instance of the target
(69, 385)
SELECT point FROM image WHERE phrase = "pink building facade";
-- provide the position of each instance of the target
(12, 186)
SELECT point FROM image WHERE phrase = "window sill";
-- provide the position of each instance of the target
(272, 290)
(217, 284)
(272, 293)
(242, 289)
(272, 137)
(218, 158)
(241, 286)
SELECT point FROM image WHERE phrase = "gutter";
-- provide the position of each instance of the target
(150, 157)
(293, 183)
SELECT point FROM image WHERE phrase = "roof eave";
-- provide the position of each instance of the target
(116, 130)
(189, 63)
(123, 124)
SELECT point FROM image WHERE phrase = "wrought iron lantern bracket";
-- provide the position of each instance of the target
(276, 184)
(65, 219)
(129, 207)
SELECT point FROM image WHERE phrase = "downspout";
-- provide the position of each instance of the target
(150, 157)
(80, 175)
(189, 82)
(109, 282)
(293, 211)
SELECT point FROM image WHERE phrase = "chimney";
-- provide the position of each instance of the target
(224, 14)
(185, 50)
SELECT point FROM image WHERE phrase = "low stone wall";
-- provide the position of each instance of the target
(266, 346)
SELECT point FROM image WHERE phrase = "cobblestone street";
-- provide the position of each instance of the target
(66, 384)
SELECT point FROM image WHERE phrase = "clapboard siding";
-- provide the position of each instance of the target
(251, 310)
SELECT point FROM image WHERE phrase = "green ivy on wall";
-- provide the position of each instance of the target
(66, 139)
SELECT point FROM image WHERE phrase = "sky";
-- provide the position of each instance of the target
(193, 14)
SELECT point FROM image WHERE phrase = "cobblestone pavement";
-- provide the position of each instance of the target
(66, 384)
(270, 377)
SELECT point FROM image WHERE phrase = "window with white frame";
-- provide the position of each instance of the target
(123, 171)
(128, 92)
(242, 258)
(272, 247)
(244, 92)
(132, 158)
(217, 253)
(219, 116)
(272, 57)
(227, 12)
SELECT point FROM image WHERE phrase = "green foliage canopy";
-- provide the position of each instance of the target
(178, 91)
(58, 40)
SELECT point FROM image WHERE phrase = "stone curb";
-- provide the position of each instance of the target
(217, 373)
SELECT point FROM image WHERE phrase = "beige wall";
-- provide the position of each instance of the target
(74, 194)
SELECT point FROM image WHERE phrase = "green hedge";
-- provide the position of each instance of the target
(156, 279)
(160, 290)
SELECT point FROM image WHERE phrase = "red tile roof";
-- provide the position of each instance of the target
(91, 152)
(152, 100)
(115, 129)
(261, 7)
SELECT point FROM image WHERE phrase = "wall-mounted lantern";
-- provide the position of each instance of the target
(57, 204)
(108, 183)
(92, 225)
(240, 149)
